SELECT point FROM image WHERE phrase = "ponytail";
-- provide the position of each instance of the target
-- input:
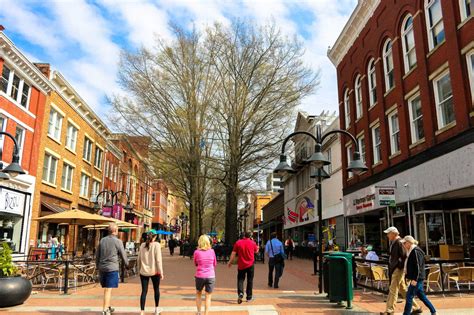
(150, 238)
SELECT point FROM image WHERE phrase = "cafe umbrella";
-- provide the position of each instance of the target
(75, 217)
(121, 224)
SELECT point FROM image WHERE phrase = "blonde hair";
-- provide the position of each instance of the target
(410, 239)
(204, 243)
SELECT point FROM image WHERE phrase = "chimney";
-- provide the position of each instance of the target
(44, 68)
(1, 28)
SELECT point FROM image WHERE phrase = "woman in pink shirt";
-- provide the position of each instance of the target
(205, 261)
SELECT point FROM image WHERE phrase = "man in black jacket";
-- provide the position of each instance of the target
(415, 274)
(395, 271)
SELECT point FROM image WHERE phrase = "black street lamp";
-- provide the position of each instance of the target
(111, 197)
(319, 160)
(184, 221)
(13, 169)
(128, 207)
(245, 215)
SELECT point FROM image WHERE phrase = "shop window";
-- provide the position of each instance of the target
(358, 97)
(444, 100)
(347, 108)
(71, 137)
(456, 219)
(87, 150)
(408, 43)
(435, 232)
(11, 228)
(356, 235)
(372, 81)
(66, 178)
(394, 129)
(434, 23)
(50, 166)
(361, 144)
(416, 119)
(54, 124)
(84, 189)
(421, 230)
(467, 7)
(98, 157)
(388, 66)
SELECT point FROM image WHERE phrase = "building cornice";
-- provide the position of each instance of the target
(357, 21)
(10, 53)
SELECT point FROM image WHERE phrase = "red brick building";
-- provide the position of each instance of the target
(405, 83)
(23, 93)
(159, 204)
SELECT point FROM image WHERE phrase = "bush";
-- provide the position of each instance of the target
(7, 268)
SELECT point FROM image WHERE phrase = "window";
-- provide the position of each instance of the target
(376, 140)
(467, 7)
(349, 159)
(358, 96)
(84, 190)
(416, 119)
(106, 168)
(347, 108)
(408, 43)
(372, 80)
(3, 126)
(361, 144)
(328, 168)
(71, 137)
(394, 129)
(434, 23)
(98, 157)
(87, 151)
(388, 65)
(66, 178)
(54, 125)
(95, 189)
(50, 166)
(14, 86)
(153, 197)
(20, 140)
(470, 69)
(444, 100)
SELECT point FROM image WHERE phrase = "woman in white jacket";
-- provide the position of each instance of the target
(150, 266)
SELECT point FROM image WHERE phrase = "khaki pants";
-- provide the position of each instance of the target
(397, 285)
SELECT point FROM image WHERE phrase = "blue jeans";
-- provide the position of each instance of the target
(417, 291)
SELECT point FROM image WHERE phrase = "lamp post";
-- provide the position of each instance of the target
(245, 216)
(13, 169)
(111, 200)
(239, 221)
(184, 221)
(318, 160)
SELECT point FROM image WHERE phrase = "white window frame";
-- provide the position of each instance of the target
(362, 145)
(347, 108)
(358, 96)
(463, 8)
(430, 28)
(328, 168)
(21, 85)
(84, 186)
(98, 159)
(372, 82)
(21, 142)
(394, 134)
(406, 32)
(87, 149)
(349, 159)
(4, 127)
(71, 144)
(388, 54)
(377, 156)
(48, 159)
(67, 177)
(95, 189)
(441, 120)
(55, 123)
(470, 70)
(413, 120)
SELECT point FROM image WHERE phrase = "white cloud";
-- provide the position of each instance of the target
(204, 12)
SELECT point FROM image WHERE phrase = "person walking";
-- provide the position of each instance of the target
(171, 245)
(395, 270)
(415, 274)
(245, 250)
(205, 261)
(107, 262)
(315, 256)
(289, 248)
(276, 260)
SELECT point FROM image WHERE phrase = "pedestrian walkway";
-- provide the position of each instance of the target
(296, 295)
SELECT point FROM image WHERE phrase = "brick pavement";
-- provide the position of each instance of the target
(296, 295)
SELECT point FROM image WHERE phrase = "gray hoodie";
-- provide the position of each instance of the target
(107, 255)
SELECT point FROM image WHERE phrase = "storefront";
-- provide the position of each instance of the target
(436, 207)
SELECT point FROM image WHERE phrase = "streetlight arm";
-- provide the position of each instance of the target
(354, 140)
(16, 158)
(294, 134)
(114, 195)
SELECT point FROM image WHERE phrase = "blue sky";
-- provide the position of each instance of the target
(82, 39)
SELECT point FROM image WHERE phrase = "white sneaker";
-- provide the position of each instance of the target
(157, 311)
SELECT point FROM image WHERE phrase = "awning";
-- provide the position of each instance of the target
(269, 224)
(52, 207)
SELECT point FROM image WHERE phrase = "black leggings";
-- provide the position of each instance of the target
(156, 287)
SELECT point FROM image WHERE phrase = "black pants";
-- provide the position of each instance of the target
(249, 272)
(156, 287)
(171, 251)
(315, 262)
(272, 265)
(289, 251)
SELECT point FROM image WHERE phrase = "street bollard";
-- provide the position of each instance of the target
(66, 277)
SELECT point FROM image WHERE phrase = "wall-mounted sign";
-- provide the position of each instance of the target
(364, 202)
(11, 201)
(306, 210)
(386, 197)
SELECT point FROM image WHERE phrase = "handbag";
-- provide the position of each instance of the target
(278, 258)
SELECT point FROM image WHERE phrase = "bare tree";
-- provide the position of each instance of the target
(262, 79)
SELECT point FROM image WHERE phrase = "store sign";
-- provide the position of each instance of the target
(107, 212)
(364, 202)
(11, 201)
(386, 197)
(117, 212)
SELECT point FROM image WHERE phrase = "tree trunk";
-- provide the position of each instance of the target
(231, 230)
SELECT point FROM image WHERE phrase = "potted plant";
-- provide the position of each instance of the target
(14, 290)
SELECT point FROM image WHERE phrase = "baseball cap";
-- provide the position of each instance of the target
(369, 247)
(153, 231)
(391, 229)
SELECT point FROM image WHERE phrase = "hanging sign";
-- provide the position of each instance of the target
(11, 201)
(386, 197)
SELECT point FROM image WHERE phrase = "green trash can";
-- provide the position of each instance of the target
(340, 278)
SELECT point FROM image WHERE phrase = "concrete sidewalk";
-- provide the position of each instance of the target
(296, 295)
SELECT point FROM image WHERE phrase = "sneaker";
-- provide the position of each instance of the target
(111, 310)
(239, 299)
(158, 311)
(249, 299)
(418, 311)
(106, 312)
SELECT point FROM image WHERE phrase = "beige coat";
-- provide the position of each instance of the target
(149, 260)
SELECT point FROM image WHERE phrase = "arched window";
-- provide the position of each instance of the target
(358, 96)
(434, 23)
(347, 108)
(388, 65)
(408, 43)
(372, 81)
(467, 8)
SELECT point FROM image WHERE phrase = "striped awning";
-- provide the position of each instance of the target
(52, 207)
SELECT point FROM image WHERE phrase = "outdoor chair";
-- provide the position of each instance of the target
(379, 275)
(49, 274)
(460, 276)
(433, 278)
(72, 278)
(87, 274)
(363, 271)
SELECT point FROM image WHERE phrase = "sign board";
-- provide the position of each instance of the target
(117, 212)
(311, 237)
(107, 212)
(386, 197)
(11, 201)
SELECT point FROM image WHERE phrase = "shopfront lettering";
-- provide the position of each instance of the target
(364, 202)
(11, 202)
